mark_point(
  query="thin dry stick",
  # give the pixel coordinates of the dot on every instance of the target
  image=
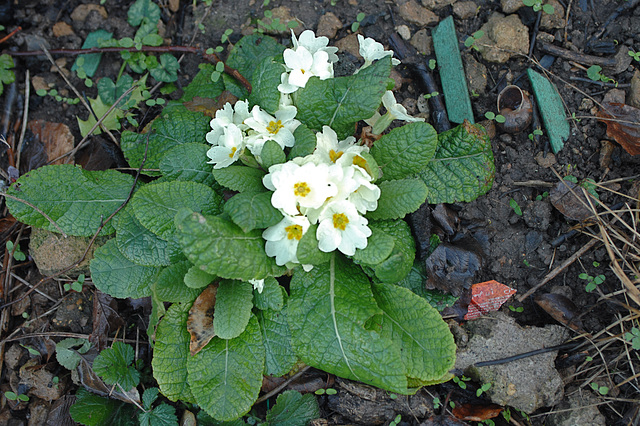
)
(4, 194)
(25, 117)
(283, 385)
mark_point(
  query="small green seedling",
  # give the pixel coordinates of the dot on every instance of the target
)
(542, 196)
(436, 403)
(225, 35)
(490, 115)
(461, 381)
(514, 309)
(432, 64)
(593, 72)
(32, 351)
(12, 396)
(589, 359)
(602, 390)
(396, 421)
(633, 337)
(592, 282)
(356, 25)
(536, 132)
(485, 387)
(76, 285)
(537, 6)
(17, 254)
(471, 40)
(516, 208)
(488, 422)
(634, 55)
(431, 95)
(328, 391)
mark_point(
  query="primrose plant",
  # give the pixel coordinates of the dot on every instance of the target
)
(269, 216)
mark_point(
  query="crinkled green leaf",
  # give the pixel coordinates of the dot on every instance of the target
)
(137, 243)
(94, 410)
(91, 61)
(197, 278)
(162, 415)
(188, 162)
(399, 198)
(276, 336)
(143, 11)
(6, 75)
(167, 69)
(272, 296)
(462, 168)
(204, 419)
(415, 281)
(171, 352)
(234, 87)
(221, 248)
(155, 205)
(250, 51)
(428, 349)
(77, 200)
(226, 376)
(379, 247)
(114, 274)
(67, 356)
(399, 263)
(305, 142)
(271, 154)
(114, 366)
(240, 178)
(100, 109)
(252, 210)
(406, 150)
(202, 86)
(308, 252)
(176, 126)
(170, 287)
(234, 301)
(293, 409)
(264, 83)
(149, 396)
(327, 312)
(343, 101)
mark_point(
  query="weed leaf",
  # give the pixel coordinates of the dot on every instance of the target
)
(293, 408)
(252, 210)
(398, 198)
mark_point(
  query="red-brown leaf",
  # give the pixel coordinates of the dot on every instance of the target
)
(200, 320)
(626, 129)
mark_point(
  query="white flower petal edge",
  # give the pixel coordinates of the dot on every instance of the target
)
(283, 238)
(257, 285)
(398, 111)
(228, 149)
(314, 44)
(266, 127)
(342, 228)
(371, 50)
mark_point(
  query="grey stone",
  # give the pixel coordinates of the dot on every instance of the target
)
(504, 37)
(526, 384)
(465, 9)
(634, 96)
(577, 409)
(510, 6)
(476, 75)
(554, 20)
(414, 13)
(422, 41)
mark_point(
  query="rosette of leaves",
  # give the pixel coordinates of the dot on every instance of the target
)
(350, 316)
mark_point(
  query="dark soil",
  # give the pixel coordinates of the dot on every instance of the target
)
(519, 250)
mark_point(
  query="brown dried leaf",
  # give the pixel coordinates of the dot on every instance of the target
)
(475, 412)
(562, 309)
(56, 137)
(625, 131)
(452, 267)
(200, 320)
(209, 106)
(570, 200)
(105, 319)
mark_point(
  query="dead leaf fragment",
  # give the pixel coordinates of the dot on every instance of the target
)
(623, 125)
(476, 412)
(452, 267)
(56, 137)
(486, 297)
(209, 106)
(562, 309)
(200, 320)
(61, 29)
(570, 199)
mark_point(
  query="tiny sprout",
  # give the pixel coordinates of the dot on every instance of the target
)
(634, 55)
(516, 208)
(602, 390)
(432, 64)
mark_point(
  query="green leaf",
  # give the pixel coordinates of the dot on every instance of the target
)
(343, 101)
(155, 205)
(202, 86)
(149, 396)
(171, 352)
(276, 336)
(399, 198)
(240, 178)
(221, 248)
(252, 210)
(67, 356)
(462, 168)
(143, 11)
(305, 142)
(94, 410)
(6, 76)
(77, 200)
(234, 86)
(91, 61)
(379, 247)
(428, 349)
(272, 296)
(308, 252)
(175, 127)
(264, 81)
(110, 92)
(137, 243)
(152, 40)
(594, 72)
(252, 50)
(400, 261)
(226, 376)
(114, 274)
(188, 162)
(114, 366)
(100, 109)
(162, 415)
(234, 301)
(271, 154)
(170, 287)
(167, 69)
(293, 409)
(406, 150)
(197, 278)
(327, 312)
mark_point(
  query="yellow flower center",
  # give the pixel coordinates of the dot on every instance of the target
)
(301, 189)
(340, 221)
(294, 231)
(335, 155)
(359, 161)
(233, 152)
(274, 127)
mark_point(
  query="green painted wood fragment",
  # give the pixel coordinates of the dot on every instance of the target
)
(452, 76)
(551, 109)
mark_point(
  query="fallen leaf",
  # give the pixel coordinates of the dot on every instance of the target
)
(105, 319)
(570, 199)
(446, 218)
(420, 222)
(562, 309)
(209, 106)
(200, 320)
(626, 129)
(85, 375)
(56, 137)
(486, 297)
(476, 412)
(452, 267)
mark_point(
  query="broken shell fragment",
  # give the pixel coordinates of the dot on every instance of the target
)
(514, 105)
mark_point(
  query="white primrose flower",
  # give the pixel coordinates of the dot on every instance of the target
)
(314, 44)
(257, 285)
(279, 128)
(342, 228)
(228, 115)
(228, 148)
(301, 66)
(365, 197)
(295, 186)
(331, 151)
(395, 111)
(283, 238)
(371, 50)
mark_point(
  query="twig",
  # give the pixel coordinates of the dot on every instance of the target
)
(25, 118)
(534, 34)
(599, 83)
(577, 57)
(283, 385)
(527, 354)
(11, 34)
(4, 194)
